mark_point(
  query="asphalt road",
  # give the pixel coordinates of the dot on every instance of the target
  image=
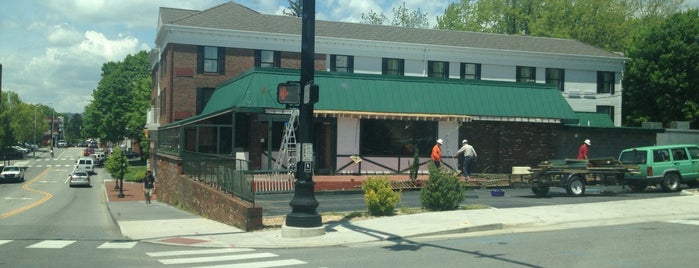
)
(278, 204)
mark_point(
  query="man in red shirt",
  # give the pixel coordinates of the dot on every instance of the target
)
(437, 153)
(583, 151)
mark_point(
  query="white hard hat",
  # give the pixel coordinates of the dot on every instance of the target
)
(464, 141)
(440, 141)
(587, 142)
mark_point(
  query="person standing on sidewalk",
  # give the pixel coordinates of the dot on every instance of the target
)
(437, 153)
(469, 157)
(148, 186)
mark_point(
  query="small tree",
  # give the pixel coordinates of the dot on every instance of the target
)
(380, 199)
(116, 164)
(442, 192)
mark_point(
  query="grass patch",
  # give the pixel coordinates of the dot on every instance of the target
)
(135, 173)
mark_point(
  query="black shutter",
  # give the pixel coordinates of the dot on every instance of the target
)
(350, 64)
(384, 66)
(277, 59)
(478, 72)
(333, 63)
(612, 82)
(221, 60)
(200, 59)
(446, 70)
(258, 58)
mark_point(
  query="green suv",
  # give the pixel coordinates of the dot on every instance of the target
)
(667, 165)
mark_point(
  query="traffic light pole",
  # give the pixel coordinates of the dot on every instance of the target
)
(304, 203)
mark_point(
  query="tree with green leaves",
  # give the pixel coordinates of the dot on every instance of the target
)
(120, 101)
(402, 16)
(73, 127)
(19, 120)
(116, 164)
(603, 23)
(295, 8)
(661, 80)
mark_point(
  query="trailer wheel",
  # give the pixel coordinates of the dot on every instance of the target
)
(671, 182)
(576, 186)
(540, 189)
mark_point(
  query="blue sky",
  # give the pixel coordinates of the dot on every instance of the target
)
(52, 50)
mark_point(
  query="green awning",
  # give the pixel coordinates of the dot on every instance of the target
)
(397, 97)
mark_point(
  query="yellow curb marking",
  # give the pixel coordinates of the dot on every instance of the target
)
(46, 197)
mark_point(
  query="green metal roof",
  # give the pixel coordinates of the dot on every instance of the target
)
(589, 119)
(255, 91)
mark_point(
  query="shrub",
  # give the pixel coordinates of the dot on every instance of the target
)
(442, 192)
(380, 199)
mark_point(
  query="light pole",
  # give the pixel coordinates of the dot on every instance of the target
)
(34, 132)
(122, 172)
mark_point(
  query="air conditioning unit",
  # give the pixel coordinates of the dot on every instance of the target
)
(679, 124)
(652, 125)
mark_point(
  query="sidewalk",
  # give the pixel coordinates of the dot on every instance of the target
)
(161, 223)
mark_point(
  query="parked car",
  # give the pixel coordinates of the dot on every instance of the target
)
(23, 150)
(667, 165)
(62, 143)
(12, 173)
(79, 178)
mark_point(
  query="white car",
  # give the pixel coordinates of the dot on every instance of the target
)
(12, 173)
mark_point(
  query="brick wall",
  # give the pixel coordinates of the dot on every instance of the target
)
(180, 80)
(501, 145)
(179, 191)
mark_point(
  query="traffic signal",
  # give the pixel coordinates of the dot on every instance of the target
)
(289, 93)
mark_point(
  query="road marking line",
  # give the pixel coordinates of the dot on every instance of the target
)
(197, 252)
(5, 241)
(260, 264)
(689, 222)
(112, 245)
(52, 244)
(217, 258)
(46, 197)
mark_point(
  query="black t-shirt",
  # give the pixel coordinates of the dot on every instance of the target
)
(149, 182)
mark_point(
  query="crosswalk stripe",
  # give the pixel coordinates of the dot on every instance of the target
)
(217, 258)
(52, 244)
(112, 245)
(197, 252)
(5, 241)
(261, 264)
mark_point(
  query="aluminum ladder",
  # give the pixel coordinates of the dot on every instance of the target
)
(287, 150)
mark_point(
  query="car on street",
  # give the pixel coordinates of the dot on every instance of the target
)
(12, 173)
(86, 164)
(99, 157)
(62, 143)
(79, 178)
(667, 165)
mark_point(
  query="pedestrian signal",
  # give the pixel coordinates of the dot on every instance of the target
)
(289, 93)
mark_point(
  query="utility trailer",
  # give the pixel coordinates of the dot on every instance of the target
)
(574, 174)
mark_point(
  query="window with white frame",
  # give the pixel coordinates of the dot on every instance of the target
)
(392, 66)
(606, 109)
(438, 69)
(342, 63)
(210, 59)
(555, 77)
(471, 71)
(605, 82)
(268, 58)
(526, 74)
